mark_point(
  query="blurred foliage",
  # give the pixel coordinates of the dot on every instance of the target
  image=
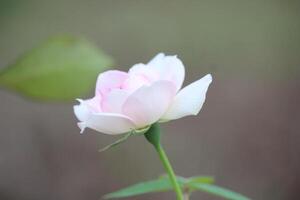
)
(62, 68)
(202, 183)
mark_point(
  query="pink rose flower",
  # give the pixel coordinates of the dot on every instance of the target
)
(147, 93)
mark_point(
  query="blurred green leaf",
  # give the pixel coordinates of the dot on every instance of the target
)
(160, 185)
(163, 184)
(201, 179)
(216, 190)
(61, 68)
(142, 188)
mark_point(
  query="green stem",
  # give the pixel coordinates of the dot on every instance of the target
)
(163, 157)
(153, 136)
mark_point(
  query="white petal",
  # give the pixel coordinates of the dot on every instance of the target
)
(108, 123)
(156, 60)
(189, 100)
(144, 71)
(86, 107)
(81, 112)
(147, 104)
(169, 68)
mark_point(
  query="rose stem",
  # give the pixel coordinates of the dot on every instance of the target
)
(153, 136)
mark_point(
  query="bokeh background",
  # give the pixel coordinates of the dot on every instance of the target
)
(246, 136)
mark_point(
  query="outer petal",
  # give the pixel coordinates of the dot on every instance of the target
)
(82, 112)
(110, 80)
(147, 104)
(169, 68)
(87, 107)
(108, 123)
(189, 100)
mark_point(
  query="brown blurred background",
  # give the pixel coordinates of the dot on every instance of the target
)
(246, 136)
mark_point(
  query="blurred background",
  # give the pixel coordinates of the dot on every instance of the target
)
(246, 136)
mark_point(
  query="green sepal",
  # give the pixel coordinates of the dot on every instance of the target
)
(141, 131)
(153, 135)
(117, 142)
(125, 137)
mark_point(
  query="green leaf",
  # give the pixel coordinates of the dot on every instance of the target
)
(216, 190)
(160, 185)
(142, 188)
(201, 179)
(61, 68)
(163, 184)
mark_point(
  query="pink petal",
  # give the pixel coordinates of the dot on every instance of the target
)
(114, 100)
(110, 80)
(144, 71)
(134, 82)
(147, 104)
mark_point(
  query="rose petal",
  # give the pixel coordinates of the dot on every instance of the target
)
(114, 100)
(108, 123)
(82, 112)
(144, 71)
(157, 59)
(147, 104)
(86, 107)
(134, 82)
(189, 100)
(169, 68)
(110, 80)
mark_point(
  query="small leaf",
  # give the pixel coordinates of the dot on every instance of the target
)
(142, 188)
(61, 68)
(117, 142)
(218, 191)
